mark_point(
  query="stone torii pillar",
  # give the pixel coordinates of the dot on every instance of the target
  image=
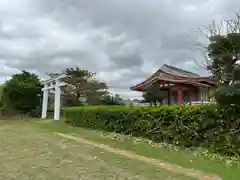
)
(52, 84)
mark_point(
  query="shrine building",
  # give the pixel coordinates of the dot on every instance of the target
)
(182, 87)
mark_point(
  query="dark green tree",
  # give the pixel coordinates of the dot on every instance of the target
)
(154, 95)
(223, 54)
(224, 51)
(1, 95)
(23, 91)
(82, 83)
(112, 100)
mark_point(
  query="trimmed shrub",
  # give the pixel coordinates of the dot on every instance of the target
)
(182, 125)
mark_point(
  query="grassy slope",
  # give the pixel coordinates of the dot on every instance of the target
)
(181, 158)
(26, 152)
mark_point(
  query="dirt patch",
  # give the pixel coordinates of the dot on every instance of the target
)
(164, 165)
(26, 153)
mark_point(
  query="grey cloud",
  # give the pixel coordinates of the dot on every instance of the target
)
(123, 41)
(127, 78)
(57, 61)
(125, 54)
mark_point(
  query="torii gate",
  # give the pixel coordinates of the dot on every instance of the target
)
(55, 84)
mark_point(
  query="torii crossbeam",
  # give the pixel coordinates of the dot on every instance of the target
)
(54, 83)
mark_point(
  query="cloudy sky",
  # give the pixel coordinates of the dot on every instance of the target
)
(123, 41)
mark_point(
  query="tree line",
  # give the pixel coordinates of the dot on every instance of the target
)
(22, 93)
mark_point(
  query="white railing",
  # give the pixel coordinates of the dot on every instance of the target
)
(201, 102)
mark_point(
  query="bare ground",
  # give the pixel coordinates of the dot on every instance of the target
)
(164, 165)
(29, 154)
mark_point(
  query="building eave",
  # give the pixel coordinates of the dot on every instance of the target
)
(194, 83)
(162, 75)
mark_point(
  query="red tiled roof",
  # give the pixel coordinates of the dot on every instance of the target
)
(169, 74)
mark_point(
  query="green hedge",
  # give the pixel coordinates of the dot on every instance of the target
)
(186, 126)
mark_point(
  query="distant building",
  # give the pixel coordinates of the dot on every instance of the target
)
(181, 86)
(126, 101)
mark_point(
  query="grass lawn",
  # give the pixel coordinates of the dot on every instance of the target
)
(26, 152)
(43, 155)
